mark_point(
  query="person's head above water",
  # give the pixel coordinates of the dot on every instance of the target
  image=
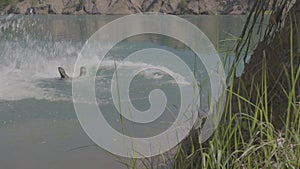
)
(63, 73)
(82, 71)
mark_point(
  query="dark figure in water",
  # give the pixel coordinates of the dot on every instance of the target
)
(82, 71)
(64, 75)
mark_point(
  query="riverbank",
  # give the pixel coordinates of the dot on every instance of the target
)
(248, 135)
(124, 7)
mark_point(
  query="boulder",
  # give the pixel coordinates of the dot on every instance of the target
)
(166, 7)
(30, 11)
(42, 9)
(173, 4)
(238, 10)
(17, 11)
(80, 12)
(57, 6)
(8, 10)
(71, 6)
(163, 6)
(102, 5)
(22, 7)
(52, 10)
(233, 7)
(151, 6)
(90, 7)
(138, 3)
(194, 7)
(122, 7)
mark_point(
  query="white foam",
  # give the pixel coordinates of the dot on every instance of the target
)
(152, 71)
(26, 62)
(23, 82)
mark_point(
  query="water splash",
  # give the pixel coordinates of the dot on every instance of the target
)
(26, 59)
(31, 53)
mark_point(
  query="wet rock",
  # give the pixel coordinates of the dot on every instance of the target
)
(80, 12)
(56, 5)
(234, 7)
(17, 11)
(39, 9)
(238, 10)
(42, 9)
(102, 5)
(151, 6)
(71, 6)
(52, 10)
(90, 7)
(30, 11)
(163, 6)
(173, 4)
(122, 7)
(22, 7)
(69, 10)
(169, 7)
(95, 10)
(190, 8)
(193, 7)
(8, 10)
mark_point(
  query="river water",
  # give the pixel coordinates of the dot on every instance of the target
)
(38, 123)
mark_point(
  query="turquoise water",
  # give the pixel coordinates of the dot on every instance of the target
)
(38, 124)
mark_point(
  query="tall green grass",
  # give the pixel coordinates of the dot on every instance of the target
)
(244, 139)
(247, 138)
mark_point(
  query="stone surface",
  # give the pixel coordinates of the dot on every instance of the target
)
(43, 9)
(71, 6)
(22, 7)
(123, 7)
(88, 6)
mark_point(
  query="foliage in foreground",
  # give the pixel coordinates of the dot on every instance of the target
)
(249, 139)
(247, 136)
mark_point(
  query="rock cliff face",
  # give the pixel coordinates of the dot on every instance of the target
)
(116, 7)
